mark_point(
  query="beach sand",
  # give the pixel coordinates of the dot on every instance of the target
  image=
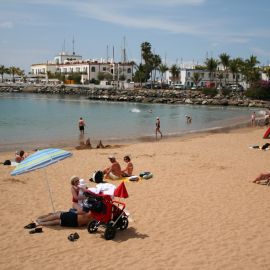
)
(199, 211)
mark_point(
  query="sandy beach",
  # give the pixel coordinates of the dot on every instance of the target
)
(199, 211)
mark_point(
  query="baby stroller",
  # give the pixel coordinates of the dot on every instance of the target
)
(106, 212)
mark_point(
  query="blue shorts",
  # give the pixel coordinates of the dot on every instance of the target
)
(69, 219)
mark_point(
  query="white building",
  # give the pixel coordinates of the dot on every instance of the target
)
(186, 78)
(67, 64)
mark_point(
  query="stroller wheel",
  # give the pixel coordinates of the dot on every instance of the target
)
(110, 232)
(92, 226)
(123, 223)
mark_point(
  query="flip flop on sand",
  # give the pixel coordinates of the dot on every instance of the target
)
(74, 236)
(31, 225)
(36, 230)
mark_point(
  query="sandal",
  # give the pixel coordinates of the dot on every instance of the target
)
(74, 236)
(31, 225)
(36, 230)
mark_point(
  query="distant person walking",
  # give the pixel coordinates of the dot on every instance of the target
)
(188, 119)
(81, 125)
(253, 119)
(158, 128)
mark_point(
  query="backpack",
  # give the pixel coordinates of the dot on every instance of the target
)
(7, 162)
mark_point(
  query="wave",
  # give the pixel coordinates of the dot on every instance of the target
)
(135, 110)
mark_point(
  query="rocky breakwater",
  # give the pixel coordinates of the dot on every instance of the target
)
(193, 97)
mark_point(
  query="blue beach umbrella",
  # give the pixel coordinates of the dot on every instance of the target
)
(40, 159)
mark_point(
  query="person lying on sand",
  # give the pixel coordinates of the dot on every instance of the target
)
(20, 156)
(262, 177)
(64, 219)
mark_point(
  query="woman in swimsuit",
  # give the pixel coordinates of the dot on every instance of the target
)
(129, 168)
(74, 181)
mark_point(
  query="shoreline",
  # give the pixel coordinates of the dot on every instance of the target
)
(120, 143)
(112, 143)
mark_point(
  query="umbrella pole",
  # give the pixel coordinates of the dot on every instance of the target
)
(49, 190)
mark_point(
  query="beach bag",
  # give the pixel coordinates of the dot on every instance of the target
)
(93, 204)
(97, 177)
(7, 162)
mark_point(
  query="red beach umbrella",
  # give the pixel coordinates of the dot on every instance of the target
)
(121, 191)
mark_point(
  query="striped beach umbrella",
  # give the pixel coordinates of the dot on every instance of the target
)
(40, 159)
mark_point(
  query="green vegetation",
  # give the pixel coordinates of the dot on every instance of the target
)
(259, 90)
(209, 91)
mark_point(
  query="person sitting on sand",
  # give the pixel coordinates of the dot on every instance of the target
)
(114, 171)
(20, 156)
(262, 177)
(64, 219)
(129, 168)
(75, 189)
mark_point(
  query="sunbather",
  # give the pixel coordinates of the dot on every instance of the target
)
(65, 219)
(114, 171)
(129, 168)
(262, 177)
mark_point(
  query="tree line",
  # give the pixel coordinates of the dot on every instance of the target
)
(248, 68)
(152, 63)
(11, 71)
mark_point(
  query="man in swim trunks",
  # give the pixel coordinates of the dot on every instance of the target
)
(114, 171)
(65, 219)
(81, 125)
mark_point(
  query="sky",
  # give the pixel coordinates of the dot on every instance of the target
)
(180, 31)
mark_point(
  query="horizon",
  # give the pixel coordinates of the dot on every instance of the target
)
(180, 31)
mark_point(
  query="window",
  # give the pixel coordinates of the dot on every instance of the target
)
(104, 68)
(93, 69)
(129, 70)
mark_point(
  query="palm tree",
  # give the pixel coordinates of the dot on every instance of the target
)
(162, 69)
(225, 61)
(156, 61)
(14, 71)
(196, 78)
(146, 52)
(141, 75)
(3, 70)
(251, 71)
(175, 71)
(235, 66)
(211, 65)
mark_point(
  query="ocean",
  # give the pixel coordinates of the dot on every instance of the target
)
(30, 121)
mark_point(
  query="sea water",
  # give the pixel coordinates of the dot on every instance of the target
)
(39, 120)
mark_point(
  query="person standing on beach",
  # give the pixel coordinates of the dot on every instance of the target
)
(253, 119)
(81, 125)
(158, 128)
